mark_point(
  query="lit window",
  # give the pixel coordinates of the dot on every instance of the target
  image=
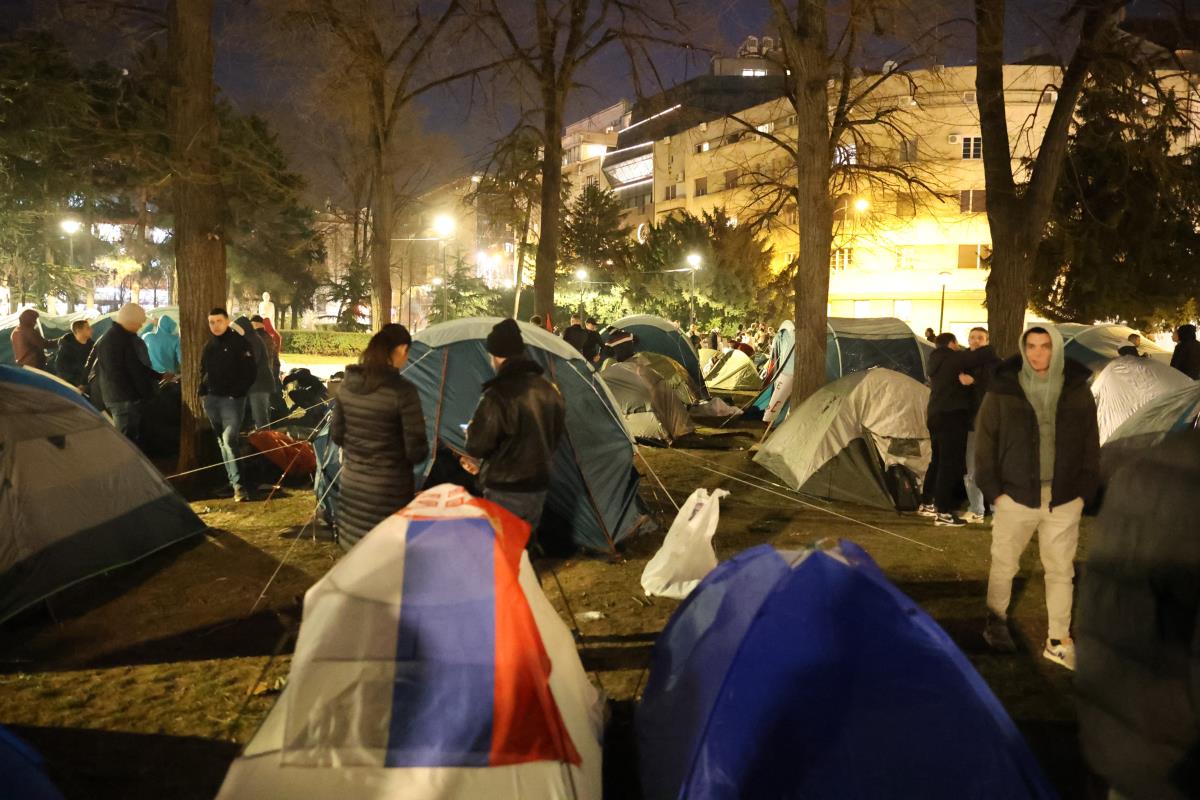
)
(754, 73)
(841, 258)
(906, 258)
(845, 155)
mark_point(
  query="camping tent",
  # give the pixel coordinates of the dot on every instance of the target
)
(853, 345)
(783, 350)
(841, 440)
(657, 335)
(593, 490)
(1127, 384)
(54, 326)
(430, 665)
(24, 770)
(671, 371)
(1095, 345)
(76, 497)
(647, 402)
(734, 371)
(809, 675)
(1150, 424)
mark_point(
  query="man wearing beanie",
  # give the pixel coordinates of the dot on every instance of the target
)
(123, 377)
(515, 429)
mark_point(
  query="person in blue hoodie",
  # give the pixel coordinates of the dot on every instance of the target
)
(163, 345)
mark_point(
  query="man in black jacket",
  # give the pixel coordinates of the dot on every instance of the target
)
(594, 344)
(258, 399)
(1186, 357)
(227, 371)
(74, 348)
(977, 379)
(1037, 461)
(515, 429)
(124, 380)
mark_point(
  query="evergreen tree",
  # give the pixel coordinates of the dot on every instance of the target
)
(593, 237)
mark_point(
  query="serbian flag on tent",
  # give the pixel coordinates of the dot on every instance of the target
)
(430, 664)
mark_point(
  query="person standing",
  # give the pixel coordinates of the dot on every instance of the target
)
(259, 396)
(515, 429)
(227, 371)
(28, 345)
(1186, 357)
(377, 421)
(977, 379)
(594, 344)
(162, 344)
(949, 420)
(261, 327)
(124, 378)
(1037, 461)
(575, 335)
(74, 348)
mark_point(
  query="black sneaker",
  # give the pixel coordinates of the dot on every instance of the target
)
(948, 520)
(998, 636)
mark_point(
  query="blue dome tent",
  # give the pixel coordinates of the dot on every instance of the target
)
(657, 335)
(593, 491)
(76, 497)
(24, 770)
(807, 674)
(1169, 413)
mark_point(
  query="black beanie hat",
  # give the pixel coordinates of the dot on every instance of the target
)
(505, 339)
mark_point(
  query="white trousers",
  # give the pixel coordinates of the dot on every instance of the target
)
(1058, 539)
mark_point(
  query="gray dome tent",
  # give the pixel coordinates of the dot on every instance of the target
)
(647, 402)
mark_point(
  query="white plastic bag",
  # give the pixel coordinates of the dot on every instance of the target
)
(687, 554)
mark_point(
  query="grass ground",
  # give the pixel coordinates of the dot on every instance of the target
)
(139, 683)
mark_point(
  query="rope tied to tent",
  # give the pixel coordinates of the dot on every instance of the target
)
(807, 504)
(654, 474)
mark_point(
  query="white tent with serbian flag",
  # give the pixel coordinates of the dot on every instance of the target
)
(430, 665)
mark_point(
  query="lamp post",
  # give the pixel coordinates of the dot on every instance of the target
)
(693, 261)
(71, 227)
(443, 226)
(581, 276)
(944, 277)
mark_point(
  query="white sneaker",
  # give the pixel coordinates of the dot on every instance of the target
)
(948, 520)
(973, 518)
(927, 511)
(1060, 652)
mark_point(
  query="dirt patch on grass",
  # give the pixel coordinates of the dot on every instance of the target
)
(138, 685)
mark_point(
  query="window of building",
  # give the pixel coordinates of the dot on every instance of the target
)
(670, 192)
(701, 187)
(747, 72)
(902, 310)
(841, 258)
(841, 208)
(591, 180)
(972, 201)
(906, 205)
(973, 256)
(906, 257)
(845, 155)
(791, 215)
(862, 309)
(972, 147)
(766, 127)
(702, 147)
(731, 178)
(908, 151)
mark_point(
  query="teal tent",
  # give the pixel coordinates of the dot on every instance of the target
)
(76, 497)
(1169, 413)
(1096, 345)
(657, 335)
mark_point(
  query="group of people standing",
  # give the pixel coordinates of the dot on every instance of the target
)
(378, 423)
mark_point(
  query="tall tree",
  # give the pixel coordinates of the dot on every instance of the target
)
(1017, 214)
(198, 203)
(546, 43)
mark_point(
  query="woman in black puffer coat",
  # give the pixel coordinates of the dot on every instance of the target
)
(377, 421)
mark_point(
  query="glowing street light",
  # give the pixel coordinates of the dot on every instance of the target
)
(693, 261)
(71, 227)
(436, 281)
(443, 226)
(581, 276)
(861, 205)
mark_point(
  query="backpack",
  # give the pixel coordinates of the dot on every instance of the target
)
(902, 486)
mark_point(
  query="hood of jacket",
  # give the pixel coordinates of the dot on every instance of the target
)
(514, 368)
(167, 326)
(29, 318)
(243, 326)
(1043, 391)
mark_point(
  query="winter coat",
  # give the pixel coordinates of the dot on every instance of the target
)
(227, 366)
(1007, 439)
(1137, 625)
(516, 428)
(947, 395)
(28, 344)
(984, 362)
(264, 377)
(121, 368)
(163, 346)
(576, 336)
(1186, 357)
(379, 425)
(272, 354)
(70, 363)
(593, 345)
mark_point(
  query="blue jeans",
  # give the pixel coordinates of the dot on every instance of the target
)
(260, 408)
(526, 505)
(127, 417)
(225, 414)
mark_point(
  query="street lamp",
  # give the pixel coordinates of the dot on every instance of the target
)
(693, 261)
(944, 278)
(71, 227)
(861, 205)
(443, 226)
(581, 276)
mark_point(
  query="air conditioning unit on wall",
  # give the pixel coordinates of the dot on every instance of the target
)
(952, 138)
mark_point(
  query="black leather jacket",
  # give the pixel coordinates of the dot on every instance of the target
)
(516, 428)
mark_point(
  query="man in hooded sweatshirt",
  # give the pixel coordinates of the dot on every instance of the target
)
(1037, 461)
(28, 345)
(259, 397)
(1186, 357)
(515, 428)
(162, 344)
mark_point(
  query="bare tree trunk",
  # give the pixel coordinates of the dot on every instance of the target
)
(199, 246)
(381, 256)
(546, 266)
(521, 249)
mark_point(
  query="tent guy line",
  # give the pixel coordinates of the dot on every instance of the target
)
(656, 478)
(813, 505)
